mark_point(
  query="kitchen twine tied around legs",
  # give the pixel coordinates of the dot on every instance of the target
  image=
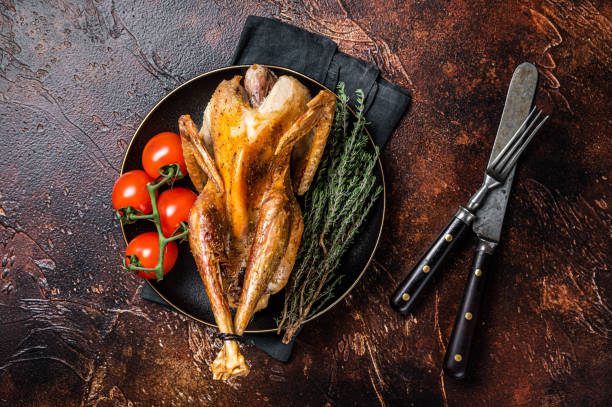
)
(230, 337)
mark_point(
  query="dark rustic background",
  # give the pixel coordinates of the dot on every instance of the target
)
(77, 77)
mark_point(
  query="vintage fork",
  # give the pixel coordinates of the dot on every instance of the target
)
(496, 174)
(499, 169)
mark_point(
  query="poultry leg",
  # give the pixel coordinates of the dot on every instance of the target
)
(275, 216)
(207, 231)
(281, 276)
(206, 224)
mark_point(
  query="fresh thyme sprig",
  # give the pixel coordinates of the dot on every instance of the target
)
(334, 208)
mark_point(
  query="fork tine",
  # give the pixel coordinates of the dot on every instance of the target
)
(511, 142)
(516, 144)
(512, 162)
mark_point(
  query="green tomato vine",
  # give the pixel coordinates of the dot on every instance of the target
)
(127, 215)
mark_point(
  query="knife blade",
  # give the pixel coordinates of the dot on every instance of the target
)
(488, 223)
(490, 217)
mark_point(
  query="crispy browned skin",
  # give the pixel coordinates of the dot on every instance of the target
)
(207, 224)
(275, 217)
(246, 219)
(207, 232)
(309, 150)
(198, 177)
(206, 164)
(244, 142)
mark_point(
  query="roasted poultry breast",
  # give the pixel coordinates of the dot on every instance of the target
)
(259, 145)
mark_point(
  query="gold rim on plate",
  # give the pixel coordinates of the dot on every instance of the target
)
(382, 174)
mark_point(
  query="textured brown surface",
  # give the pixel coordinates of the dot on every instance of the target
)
(76, 78)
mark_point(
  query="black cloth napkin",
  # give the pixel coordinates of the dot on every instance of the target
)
(271, 42)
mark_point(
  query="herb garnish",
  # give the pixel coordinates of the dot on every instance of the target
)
(334, 208)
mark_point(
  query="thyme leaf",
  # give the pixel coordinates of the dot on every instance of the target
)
(335, 207)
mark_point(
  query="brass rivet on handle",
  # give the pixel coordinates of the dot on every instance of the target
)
(468, 315)
(405, 296)
(478, 272)
(426, 269)
(448, 237)
(458, 357)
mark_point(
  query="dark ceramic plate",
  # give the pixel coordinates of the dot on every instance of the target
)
(182, 287)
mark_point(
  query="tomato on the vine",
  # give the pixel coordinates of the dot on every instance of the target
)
(131, 190)
(174, 205)
(146, 247)
(163, 149)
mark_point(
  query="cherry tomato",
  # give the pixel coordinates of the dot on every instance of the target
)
(131, 190)
(146, 247)
(163, 149)
(174, 206)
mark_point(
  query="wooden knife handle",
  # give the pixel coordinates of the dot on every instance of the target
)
(456, 360)
(406, 293)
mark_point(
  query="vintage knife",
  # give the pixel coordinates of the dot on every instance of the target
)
(520, 97)
(488, 223)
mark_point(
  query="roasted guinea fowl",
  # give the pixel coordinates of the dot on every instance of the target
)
(257, 146)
